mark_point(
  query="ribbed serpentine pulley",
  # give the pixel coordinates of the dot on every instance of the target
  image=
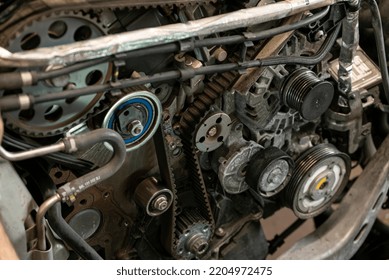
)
(306, 93)
(320, 176)
(269, 171)
(135, 117)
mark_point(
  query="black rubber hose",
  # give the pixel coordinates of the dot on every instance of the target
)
(68, 235)
(380, 43)
(14, 80)
(309, 60)
(85, 141)
(227, 40)
(181, 74)
(54, 215)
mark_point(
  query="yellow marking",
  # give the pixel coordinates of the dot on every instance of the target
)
(321, 182)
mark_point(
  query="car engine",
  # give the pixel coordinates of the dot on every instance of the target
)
(150, 129)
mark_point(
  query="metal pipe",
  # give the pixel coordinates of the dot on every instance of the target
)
(350, 41)
(15, 80)
(40, 220)
(12, 101)
(54, 215)
(132, 40)
(58, 147)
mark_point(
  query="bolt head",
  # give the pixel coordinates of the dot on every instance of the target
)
(135, 127)
(212, 131)
(160, 203)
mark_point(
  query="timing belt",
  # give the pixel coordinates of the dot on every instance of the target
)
(204, 101)
(180, 219)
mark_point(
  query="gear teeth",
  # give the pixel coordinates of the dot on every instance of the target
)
(191, 118)
(15, 32)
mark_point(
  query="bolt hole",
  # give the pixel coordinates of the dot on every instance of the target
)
(58, 174)
(243, 170)
(106, 195)
(220, 139)
(360, 233)
(53, 113)
(82, 33)
(57, 29)
(219, 120)
(158, 91)
(93, 77)
(26, 115)
(30, 41)
(202, 139)
(83, 202)
(377, 202)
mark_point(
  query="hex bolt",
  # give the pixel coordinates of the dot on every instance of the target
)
(220, 232)
(319, 34)
(212, 131)
(160, 203)
(135, 127)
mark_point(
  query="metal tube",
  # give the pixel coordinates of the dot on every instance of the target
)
(350, 41)
(58, 147)
(184, 74)
(40, 220)
(132, 40)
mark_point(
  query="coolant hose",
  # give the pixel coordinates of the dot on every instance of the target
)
(87, 140)
(68, 192)
(54, 215)
(68, 235)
